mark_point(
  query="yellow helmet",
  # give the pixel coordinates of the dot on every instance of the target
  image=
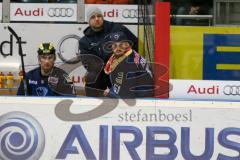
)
(46, 48)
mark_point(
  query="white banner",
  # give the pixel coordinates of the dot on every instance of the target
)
(0, 11)
(68, 12)
(118, 13)
(43, 12)
(150, 129)
(64, 37)
(205, 89)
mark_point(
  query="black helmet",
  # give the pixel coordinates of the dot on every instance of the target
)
(46, 48)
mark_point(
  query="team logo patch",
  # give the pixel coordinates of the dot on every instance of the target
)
(116, 88)
(116, 36)
(42, 91)
(53, 80)
(32, 82)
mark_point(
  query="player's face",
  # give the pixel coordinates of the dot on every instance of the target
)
(46, 62)
(96, 22)
(119, 48)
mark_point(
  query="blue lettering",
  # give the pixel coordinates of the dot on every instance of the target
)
(76, 133)
(131, 146)
(67, 148)
(152, 143)
(185, 144)
(222, 139)
(103, 139)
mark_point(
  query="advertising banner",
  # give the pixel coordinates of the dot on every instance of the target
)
(205, 89)
(64, 37)
(209, 53)
(111, 129)
(68, 12)
(117, 13)
(43, 12)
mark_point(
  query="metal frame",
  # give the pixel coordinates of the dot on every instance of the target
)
(80, 11)
(209, 17)
(6, 11)
(217, 11)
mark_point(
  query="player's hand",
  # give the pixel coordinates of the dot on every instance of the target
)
(106, 92)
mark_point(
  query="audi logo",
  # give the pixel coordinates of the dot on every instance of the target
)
(60, 12)
(69, 39)
(130, 13)
(231, 90)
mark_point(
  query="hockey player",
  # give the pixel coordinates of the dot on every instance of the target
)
(46, 80)
(129, 72)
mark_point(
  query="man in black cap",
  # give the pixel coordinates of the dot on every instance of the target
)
(129, 72)
(93, 52)
(46, 80)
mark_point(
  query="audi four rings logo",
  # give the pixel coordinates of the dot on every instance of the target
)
(232, 90)
(130, 13)
(60, 12)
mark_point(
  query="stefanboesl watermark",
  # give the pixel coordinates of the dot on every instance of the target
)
(94, 66)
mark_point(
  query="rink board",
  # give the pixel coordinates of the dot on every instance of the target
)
(116, 129)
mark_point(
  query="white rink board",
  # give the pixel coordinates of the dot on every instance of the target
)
(132, 124)
(205, 89)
